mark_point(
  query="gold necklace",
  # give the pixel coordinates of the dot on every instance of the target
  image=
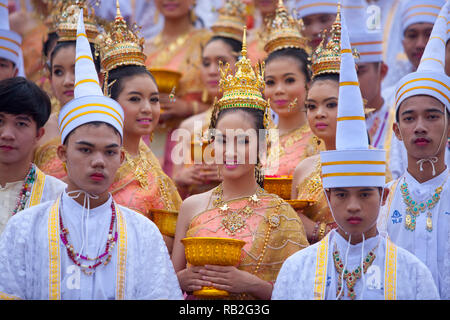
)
(140, 166)
(234, 221)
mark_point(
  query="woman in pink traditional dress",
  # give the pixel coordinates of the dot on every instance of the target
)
(239, 208)
(178, 48)
(286, 88)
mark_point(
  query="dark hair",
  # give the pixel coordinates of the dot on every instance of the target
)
(95, 124)
(236, 46)
(65, 44)
(298, 54)
(119, 76)
(326, 76)
(49, 44)
(21, 96)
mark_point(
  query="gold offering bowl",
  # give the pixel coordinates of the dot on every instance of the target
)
(214, 251)
(165, 79)
(165, 220)
(198, 150)
(280, 186)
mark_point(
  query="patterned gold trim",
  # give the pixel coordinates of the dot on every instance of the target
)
(121, 255)
(390, 273)
(5, 296)
(54, 277)
(321, 269)
(38, 188)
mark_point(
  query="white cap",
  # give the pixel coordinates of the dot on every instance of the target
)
(10, 41)
(420, 11)
(308, 7)
(89, 103)
(430, 78)
(352, 164)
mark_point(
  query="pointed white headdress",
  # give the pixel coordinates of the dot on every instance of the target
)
(10, 41)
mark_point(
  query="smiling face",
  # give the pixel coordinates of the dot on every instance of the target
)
(284, 84)
(422, 127)
(321, 108)
(236, 145)
(139, 99)
(213, 53)
(356, 209)
(62, 77)
(92, 153)
(18, 137)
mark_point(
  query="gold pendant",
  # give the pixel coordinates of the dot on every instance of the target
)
(233, 223)
(408, 221)
(429, 222)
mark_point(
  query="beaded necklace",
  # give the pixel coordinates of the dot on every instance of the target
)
(351, 277)
(235, 220)
(104, 258)
(414, 208)
(26, 190)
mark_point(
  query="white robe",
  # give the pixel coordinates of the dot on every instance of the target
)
(45, 188)
(27, 268)
(299, 278)
(432, 248)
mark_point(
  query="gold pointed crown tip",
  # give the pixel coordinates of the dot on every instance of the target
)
(118, 13)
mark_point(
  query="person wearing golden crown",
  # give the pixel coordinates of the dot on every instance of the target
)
(84, 245)
(61, 66)
(417, 213)
(192, 176)
(321, 112)
(140, 184)
(286, 89)
(354, 261)
(239, 208)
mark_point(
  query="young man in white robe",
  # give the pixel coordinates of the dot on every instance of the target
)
(24, 110)
(353, 261)
(417, 213)
(84, 245)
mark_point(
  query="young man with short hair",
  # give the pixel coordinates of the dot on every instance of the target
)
(354, 261)
(417, 213)
(84, 245)
(24, 110)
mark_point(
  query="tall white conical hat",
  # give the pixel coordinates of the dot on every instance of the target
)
(89, 103)
(10, 41)
(352, 164)
(430, 78)
(420, 11)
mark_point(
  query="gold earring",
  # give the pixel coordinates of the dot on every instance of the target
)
(204, 95)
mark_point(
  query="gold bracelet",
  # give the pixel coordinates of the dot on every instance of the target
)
(322, 228)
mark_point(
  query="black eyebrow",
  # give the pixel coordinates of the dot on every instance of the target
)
(434, 110)
(85, 143)
(112, 145)
(330, 98)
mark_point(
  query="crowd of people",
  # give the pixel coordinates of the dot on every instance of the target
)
(115, 115)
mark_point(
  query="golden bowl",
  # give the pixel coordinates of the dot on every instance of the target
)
(214, 251)
(165, 220)
(280, 186)
(165, 79)
(198, 150)
(300, 204)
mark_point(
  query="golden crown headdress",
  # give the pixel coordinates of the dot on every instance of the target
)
(120, 45)
(66, 27)
(231, 20)
(327, 56)
(284, 31)
(48, 12)
(244, 89)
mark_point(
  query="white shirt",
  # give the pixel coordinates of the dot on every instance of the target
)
(296, 280)
(25, 258)
(9, 195)
(432, 248)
